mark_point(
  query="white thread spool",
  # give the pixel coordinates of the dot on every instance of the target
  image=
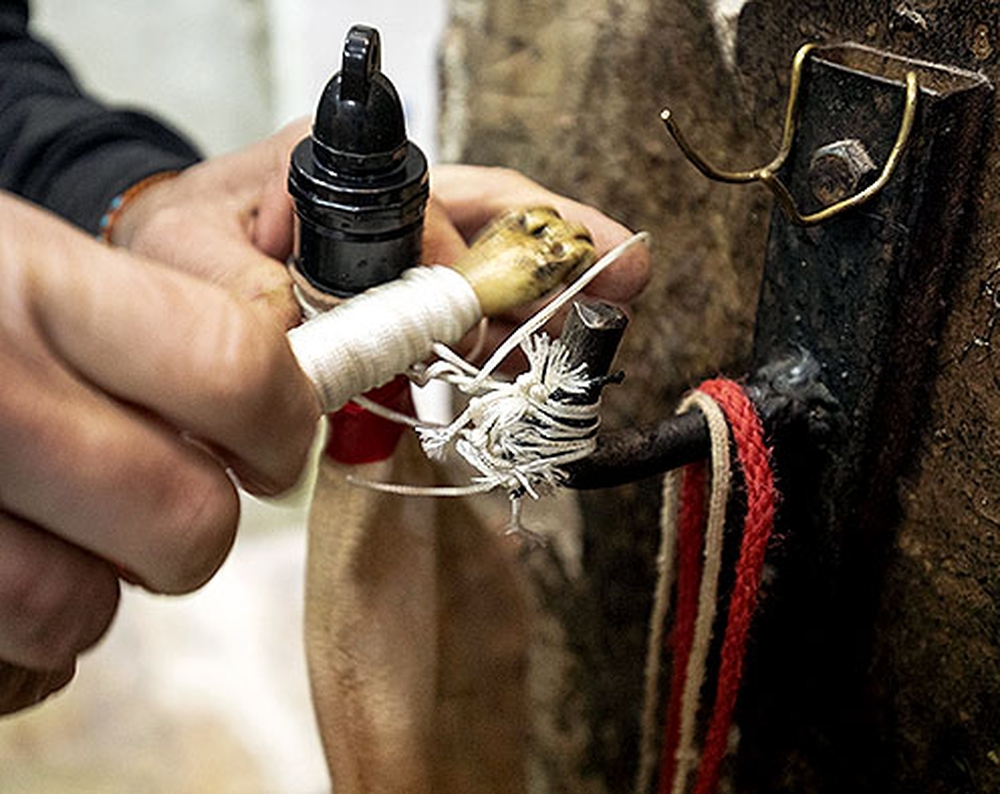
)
(366, 341)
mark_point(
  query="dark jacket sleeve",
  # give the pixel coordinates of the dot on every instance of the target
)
(62, 149)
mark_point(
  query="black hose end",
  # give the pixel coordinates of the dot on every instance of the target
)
(360, 186)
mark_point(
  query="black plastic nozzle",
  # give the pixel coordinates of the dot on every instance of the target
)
(360, 187)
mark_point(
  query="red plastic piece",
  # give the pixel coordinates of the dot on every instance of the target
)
(359, 436)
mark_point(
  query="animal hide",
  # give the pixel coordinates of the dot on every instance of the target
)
(417, 635)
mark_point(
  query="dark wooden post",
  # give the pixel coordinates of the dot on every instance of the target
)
(573, 99)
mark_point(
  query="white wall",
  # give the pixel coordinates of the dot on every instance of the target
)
(203, 64)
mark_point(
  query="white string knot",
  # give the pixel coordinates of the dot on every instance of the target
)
(519, 434)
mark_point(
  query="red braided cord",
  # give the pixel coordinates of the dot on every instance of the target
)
(690, 533)
(755, 460)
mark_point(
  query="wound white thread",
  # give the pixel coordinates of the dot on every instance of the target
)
(366, 341)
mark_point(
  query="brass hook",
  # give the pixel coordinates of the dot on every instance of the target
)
(767, 175)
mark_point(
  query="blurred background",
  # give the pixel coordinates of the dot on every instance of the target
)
(208, 693)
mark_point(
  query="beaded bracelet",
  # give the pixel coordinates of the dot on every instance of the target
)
(120, 202)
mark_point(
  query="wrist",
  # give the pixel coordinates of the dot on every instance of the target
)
(119, 219)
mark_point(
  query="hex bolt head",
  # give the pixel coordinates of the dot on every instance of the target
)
(836, 170)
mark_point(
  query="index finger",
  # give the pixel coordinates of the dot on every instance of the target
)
(473, 195)
(184, 349)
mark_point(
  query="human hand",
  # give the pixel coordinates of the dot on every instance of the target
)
(230, 220)
(227, 220)
(128, 390)
(466, 198)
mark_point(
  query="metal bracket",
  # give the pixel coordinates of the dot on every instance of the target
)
(840, 165)
(864, 291)
(856, 278)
